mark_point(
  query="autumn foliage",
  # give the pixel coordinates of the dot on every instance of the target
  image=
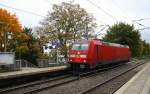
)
(9, 28)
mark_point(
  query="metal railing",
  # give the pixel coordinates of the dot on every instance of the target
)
(23, 63)
(50, 63)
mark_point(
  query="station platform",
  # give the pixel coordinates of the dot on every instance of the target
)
(30, 71)
(139, 84)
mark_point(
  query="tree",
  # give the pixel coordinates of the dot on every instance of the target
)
(146, 48)
(9, 25)
(28, 47)
(66, 23)
(125, 34)
(42, 37)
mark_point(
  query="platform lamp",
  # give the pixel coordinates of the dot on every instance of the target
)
(4, 45)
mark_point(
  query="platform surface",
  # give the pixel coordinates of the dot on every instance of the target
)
(30, 71)
(139, 84)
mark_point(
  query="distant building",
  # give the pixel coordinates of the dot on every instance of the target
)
(47, 48)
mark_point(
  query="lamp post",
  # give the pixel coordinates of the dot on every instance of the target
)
(5, 33)
(4, 45)
(5, 41)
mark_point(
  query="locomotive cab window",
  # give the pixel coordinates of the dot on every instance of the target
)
(80, 47)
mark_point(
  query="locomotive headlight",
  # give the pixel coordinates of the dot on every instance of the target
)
(83, 56)
(72, 55)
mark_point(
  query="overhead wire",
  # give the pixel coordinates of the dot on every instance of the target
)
(108, 14)
(141, 19)
(116, 4)
(21, 10)
(144, 28)
(137, 22)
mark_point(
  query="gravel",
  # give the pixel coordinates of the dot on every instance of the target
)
(79, 86)
(34, 87)
(115, 84)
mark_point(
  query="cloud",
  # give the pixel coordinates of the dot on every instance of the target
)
(122, 10)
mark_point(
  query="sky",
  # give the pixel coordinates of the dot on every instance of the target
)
(106, 12)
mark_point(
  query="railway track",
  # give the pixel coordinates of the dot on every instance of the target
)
(58, 81)
(74, 78)
(35, 87)
(34, 84)
(94, 72)
(89, 90)
(68, 80)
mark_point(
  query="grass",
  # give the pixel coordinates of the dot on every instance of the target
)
(4, 70)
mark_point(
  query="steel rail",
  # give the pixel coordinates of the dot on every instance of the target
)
(100, 84)
(33, 83)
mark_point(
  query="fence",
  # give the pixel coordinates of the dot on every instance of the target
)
(51, 62)
(18, 64)
(55, 59)
(23, 63)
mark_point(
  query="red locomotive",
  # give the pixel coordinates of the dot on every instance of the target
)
(89, 54)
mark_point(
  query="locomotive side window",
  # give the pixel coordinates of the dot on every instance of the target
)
(80, 47)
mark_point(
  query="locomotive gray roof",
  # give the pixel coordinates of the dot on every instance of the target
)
(82, 41)
(106, 43)
(113, 44)
(116, 45)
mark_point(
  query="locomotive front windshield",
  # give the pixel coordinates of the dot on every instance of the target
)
(80, 47)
